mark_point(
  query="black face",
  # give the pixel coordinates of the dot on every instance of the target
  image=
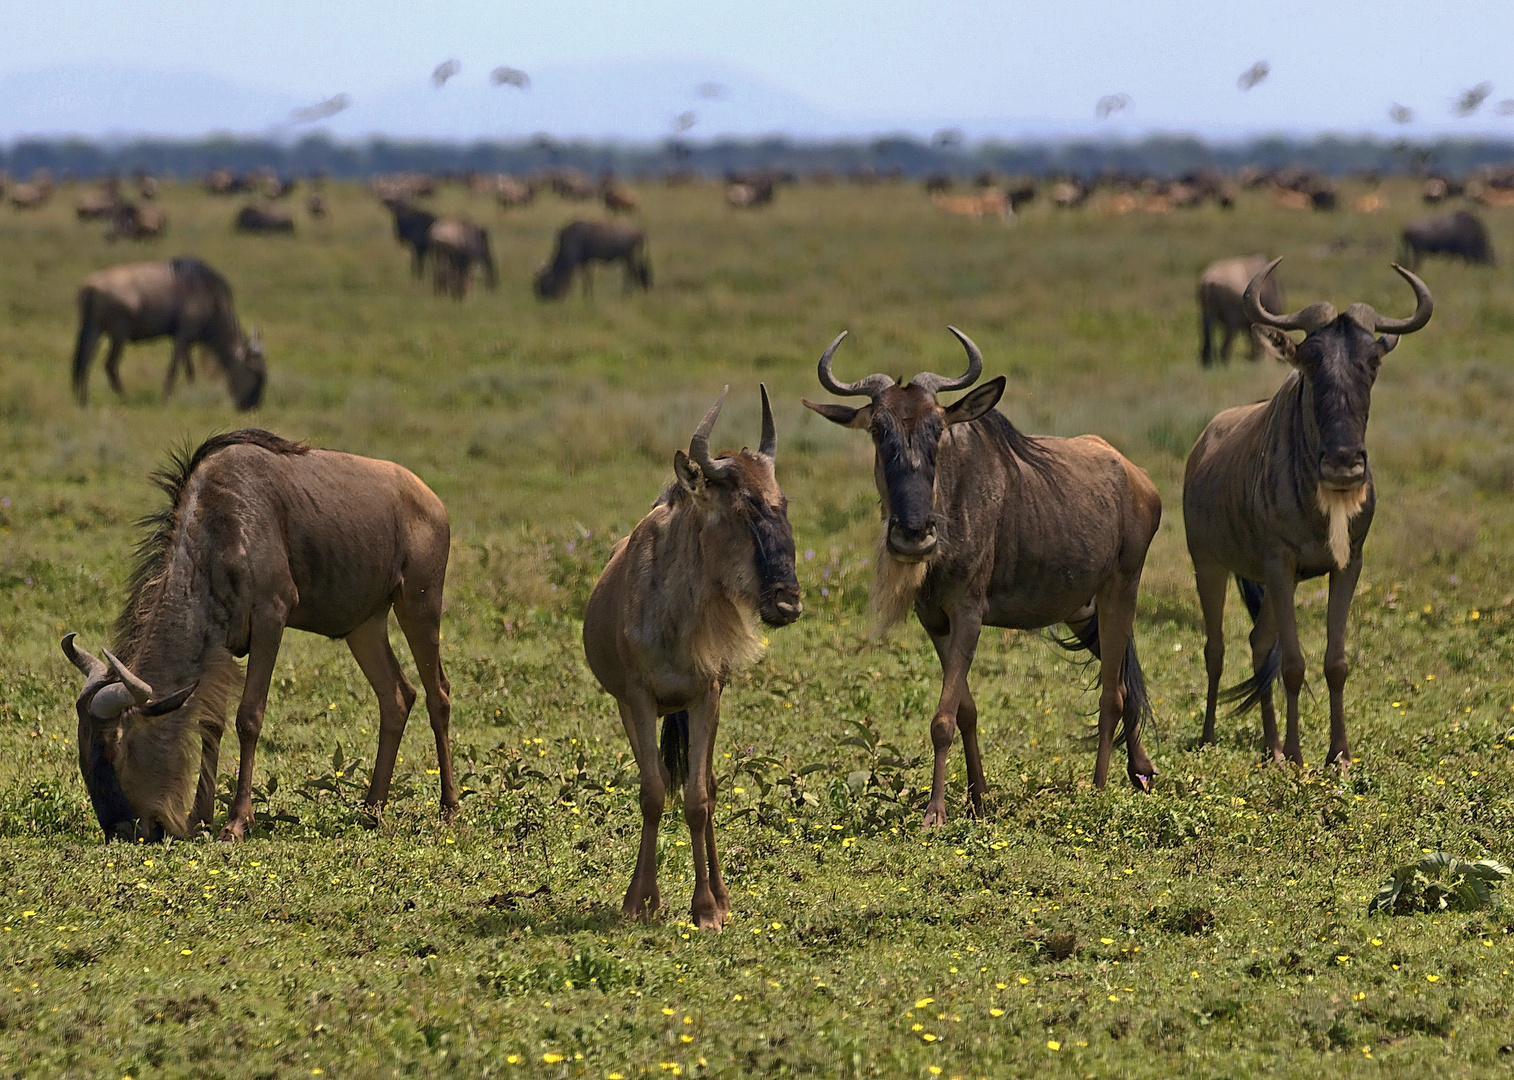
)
(1340, 362)
(115, 815)
(773, 541)
(906, 427)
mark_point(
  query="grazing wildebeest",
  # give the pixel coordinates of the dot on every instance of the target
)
(750, 194)
(1279, 492)
(137, 222)
(99, 204)
(257, 219)
(32, 196)
(182, 298)
(224, 182)
(618, 200)
(453, 247)
(582, 242)
(984, 525)
(1459, 235)
(511, 193)
(412, 227)
(1221, 286)
(260, 534)
(572, 184)
(670, 618)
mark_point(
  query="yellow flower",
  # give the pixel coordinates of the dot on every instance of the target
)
(1002, 986)
(667, 1012)
(1106, 941)
(1052, 1044)
(995, 1013)
(615, 1076)
(316, 1072)
(923, 1002)
(928, 1037)
(186, 952)
(551, 1059)
(1432, 978)
(935, 1070)
(1024, 981)
(686, 1038)
(513, 1059)
(917, 1027)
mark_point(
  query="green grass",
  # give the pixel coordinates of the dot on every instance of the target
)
(1216, 927)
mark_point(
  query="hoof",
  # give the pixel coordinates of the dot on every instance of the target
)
(934, 818)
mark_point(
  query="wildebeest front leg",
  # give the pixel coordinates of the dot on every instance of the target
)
(1211, 579)
(967, 722)
(210, 757)
(956, 662)
(370, 648)
(1342, 589)
(267, 633)
(717, 882)
(178, 358)
(699, 810)
(1281, 585)
(640, 721)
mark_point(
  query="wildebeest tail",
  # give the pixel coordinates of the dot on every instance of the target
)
(675, 747)
(1085, 638)
(1247, 694)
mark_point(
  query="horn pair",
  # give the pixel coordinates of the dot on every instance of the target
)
(699, 445)
(872, 386)
(1321, 314)
(114, 698)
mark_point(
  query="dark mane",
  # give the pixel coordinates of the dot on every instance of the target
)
(193, 271)
(172, 478)
(1022, 447)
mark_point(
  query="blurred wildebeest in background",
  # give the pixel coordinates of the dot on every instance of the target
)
(672, 617)
(511, 193)
(147, 186)
(617, 199)
(136, 222)
(259, 535)
(1069, 194)
(1460, 235)
(582, 242)
(572, 184)
(100, 203)
(224, 182)
(184, 299)
(1221, 288)
(939, 183)
(315, 206)
(33, 195)
(412, 227)
(401, 187)
(1280, 492)
(258, 219)
(986, 526)
(976, 207)
(453, 246)
(749, 195)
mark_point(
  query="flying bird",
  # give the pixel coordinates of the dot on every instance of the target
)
(1254, 75)
(509, 76)
(1400, 114)
(683, 121)
(444, 71)
(711, 90)
(320, 110)
(1471, 100)
(1504, 107)
(1110, 104)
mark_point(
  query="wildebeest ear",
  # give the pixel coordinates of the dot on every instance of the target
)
(1275, 343)
(171, 702)
(689, 475)
(977, 403)
(1386, 344)
(844, 415)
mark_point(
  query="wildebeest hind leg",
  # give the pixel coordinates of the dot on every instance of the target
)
(370, 648)
(699, 808)
(1342, 589)
(640, 721)
(1281, 585)
(717, 882)
(1263, 639)
(967, 722)
(956, 662)
(1212, 579)
(178, 358)
(113, 365)
(210, 757)
(267, 633)
(1116, 620)
(419, 612)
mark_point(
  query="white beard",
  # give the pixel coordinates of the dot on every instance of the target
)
(895, 584)
(1339, 507)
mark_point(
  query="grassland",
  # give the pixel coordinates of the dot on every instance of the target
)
(1216, 927)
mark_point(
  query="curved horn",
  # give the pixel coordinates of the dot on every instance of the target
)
(141, 692)
(112, 701)
(699, 445)
(92, 666)
(1424, 305)
(768, 448)
(1307, 319)
(869, 387)
(929, 380)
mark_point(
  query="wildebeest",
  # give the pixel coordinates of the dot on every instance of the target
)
(99, 204)
(1459, 235)
(32, 196)
(511, 193)
(983, 525)
(670, 618)
(582, 242)
(453, 247)
(1221, 286)
(315, 205)
(137, 222)
(260, 534)
(1279, 492)
(257, 219)
(182, 298)
(750, 194)
(618, 200)
(976, 207)
(224, 182)
(413, 228)
(572, 184)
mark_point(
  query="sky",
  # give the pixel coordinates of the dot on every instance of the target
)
(1000, 67)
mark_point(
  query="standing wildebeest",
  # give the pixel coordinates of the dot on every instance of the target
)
(673, 613)
(1461, 234)
(256, 219)
(619, 200)
(986, 526)
(412, 227)
(182, 298)
(1279, 492)
(582, 242)
(136, 223)
(1221, 287)
(454, 246)
(260, 534)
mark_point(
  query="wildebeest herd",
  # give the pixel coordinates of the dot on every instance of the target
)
(982, 525)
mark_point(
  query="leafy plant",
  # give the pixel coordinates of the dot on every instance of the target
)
(1439, 882)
